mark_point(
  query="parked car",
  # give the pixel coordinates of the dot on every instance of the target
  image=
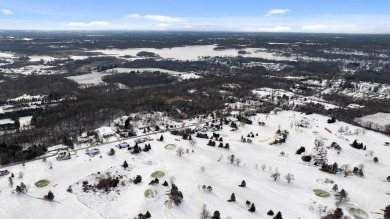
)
(92, 152)
(122, 145)
(4, 172)
(139, 140)
(63, 156)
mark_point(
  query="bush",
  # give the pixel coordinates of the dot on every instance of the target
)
(112, 152)
(300, 150)
(137, 179)
(306, 158)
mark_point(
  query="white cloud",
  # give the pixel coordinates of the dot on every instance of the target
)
(313, 27)
(90, 24)
(161, 18)
(278, 11)
(99, 23)
(133, 16)
(274, 29)
(163, 25)
(5, 12)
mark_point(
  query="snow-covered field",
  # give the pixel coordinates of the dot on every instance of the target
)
(91, 78)
(376, 121)
(294, 200)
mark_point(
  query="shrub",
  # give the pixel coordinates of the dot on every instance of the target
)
(300, 150)
(306, 158)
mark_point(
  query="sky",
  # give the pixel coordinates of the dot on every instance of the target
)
(320, 16)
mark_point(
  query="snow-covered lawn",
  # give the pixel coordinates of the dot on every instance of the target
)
(294, 200)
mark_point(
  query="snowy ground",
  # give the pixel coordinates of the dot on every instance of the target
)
(295, 200)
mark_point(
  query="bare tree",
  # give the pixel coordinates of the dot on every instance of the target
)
(263, 166)
(193, 142)
(20, 175)
(231, 158)
(237, 161)
(289, 177)
(345, 169)
(172, 179)
(220, 158)
(204, 214)
(275, 176)
(202, 168)
(180, 151)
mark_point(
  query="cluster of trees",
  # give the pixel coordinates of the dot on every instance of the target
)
(358, 145)
(16, 153)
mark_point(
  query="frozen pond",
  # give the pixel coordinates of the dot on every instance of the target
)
(195, 52)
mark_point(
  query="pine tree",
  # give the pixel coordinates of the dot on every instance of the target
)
(148, 215)
(243, 184)
(270, 213)
(165, 183)
(387, 212)
(335, 188)
(278, 216)
(161, 138)
(252, 208)
(232, 198)
(216, 215)
(125, 165)
(50, 196)
(338, 213)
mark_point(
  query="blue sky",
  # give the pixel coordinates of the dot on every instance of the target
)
(335, 16)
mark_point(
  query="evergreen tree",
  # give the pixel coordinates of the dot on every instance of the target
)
(50, 196)
(216, 215)
(387, 212)
(243, 184)
(165, 183)
(338, 213)
(232, 198)
(125, 165)
(161, 138)
(252, 208)
(278, 216)
(148, 215)
(335, 188)
(270, 213)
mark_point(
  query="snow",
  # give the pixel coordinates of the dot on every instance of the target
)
(6, 55)
(127, 70)
(377, 121)
(36, 69)
(25, 121)
(190, 76)
(90, 78)
(6, 121)
(27, 97)
(37, 58)
(294, 200)
(194, 52)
